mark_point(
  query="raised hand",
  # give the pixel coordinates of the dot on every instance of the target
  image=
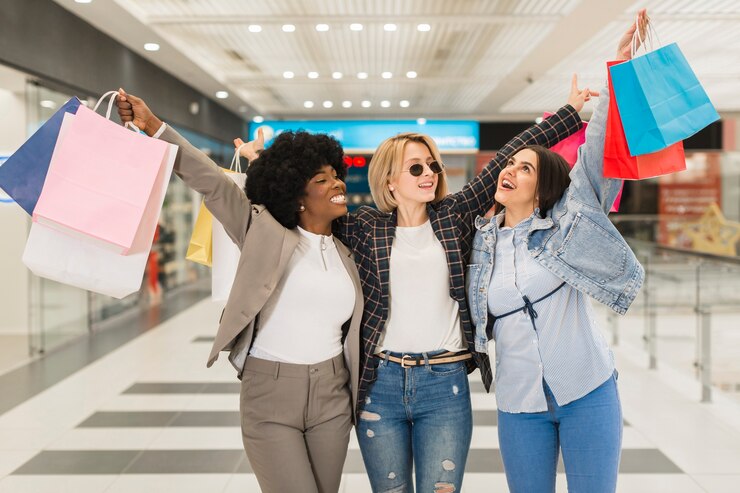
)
(624, 49)
(134, 109)
(251, 149)
(578, 97)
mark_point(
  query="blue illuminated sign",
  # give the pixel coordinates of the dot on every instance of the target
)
(365, 135)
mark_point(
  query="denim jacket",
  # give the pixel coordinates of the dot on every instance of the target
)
(575, 240)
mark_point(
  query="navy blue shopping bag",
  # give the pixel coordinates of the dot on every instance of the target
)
(23, 174)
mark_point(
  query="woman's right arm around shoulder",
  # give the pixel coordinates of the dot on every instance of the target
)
(225, 200)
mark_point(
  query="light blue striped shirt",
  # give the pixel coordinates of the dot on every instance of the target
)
(562, 344)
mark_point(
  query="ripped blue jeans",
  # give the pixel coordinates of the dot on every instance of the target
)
(419, 416)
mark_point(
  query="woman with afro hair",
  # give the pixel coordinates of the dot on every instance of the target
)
(292, 319)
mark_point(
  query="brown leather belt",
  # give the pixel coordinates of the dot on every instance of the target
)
(407, 361)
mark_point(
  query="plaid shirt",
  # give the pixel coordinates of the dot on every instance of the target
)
(370, 233)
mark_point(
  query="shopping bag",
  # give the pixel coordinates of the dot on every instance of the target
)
(81, 263)
(618, 163)
(22, 175)
(568, 147)
(200, 249)
(225, 253)
(660, 100)
(101, 177)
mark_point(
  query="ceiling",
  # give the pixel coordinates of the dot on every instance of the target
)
(480, 59)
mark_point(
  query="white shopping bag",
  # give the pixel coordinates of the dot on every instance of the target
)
(225, 252)
(86, 263)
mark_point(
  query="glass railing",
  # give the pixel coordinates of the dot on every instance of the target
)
(687, 314)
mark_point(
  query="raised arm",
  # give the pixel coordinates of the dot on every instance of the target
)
(588, 185)
(477, 196)
(224, 199)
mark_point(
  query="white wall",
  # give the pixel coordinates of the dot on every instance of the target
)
(14, 276)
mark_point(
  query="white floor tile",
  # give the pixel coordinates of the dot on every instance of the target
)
(12, 460)
(106, 439)
(657, 483)
(180, 483)
(56, 484)
(185, 438)
(244, 483)
(719, 483)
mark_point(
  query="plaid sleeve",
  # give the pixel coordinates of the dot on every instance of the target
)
(477, 196)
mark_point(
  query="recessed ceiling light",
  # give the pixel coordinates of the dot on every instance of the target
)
(83, 1)
(423, 27)
(288, 28)
(151, 46)
(366, 104)
(258, 119)
(288, 74)
(411, 74)
(313, 75)
(255, 28)
(356, 27)
(328, 104)
(386, 75)
(336, 75)
(421, 121)
(346, 104)
(385, 104)
(308, 104)
(404, 104)
(47, 103)
(322, 28)
(222, 94)
(362, 75)
(389, 27)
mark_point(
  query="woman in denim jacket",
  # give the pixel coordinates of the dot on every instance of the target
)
(534, 264)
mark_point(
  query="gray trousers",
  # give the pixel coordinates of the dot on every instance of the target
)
(296, 421)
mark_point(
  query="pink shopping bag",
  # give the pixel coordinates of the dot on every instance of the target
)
(100, 179)
(568, 149)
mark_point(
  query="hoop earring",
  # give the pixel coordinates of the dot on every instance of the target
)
(302, 208)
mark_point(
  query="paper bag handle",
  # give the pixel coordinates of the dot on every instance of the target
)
(114, 94)
(236, 164)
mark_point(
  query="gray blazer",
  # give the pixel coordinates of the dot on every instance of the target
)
(266, 247)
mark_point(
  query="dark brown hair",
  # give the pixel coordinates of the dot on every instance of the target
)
(553, 178)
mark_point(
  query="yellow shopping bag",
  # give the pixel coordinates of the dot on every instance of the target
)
(200, 249)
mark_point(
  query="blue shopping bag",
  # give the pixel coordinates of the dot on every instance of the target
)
(23, 174)
(660, 100)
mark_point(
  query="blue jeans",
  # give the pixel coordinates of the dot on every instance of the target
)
(588, 431)
(418, 416)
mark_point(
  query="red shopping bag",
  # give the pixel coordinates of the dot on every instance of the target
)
(618, 163)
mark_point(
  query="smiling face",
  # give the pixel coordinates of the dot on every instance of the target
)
(325, 198)
(409, 189)
(517, 183)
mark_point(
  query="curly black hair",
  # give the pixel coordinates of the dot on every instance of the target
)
(278, 178)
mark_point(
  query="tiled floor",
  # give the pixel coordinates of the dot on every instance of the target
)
(149, 417)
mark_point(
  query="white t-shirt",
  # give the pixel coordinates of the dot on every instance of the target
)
(302, 321)
(423, 316)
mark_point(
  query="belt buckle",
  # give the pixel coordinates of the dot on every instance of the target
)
(403, 361)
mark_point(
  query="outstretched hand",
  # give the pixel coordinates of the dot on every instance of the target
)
(624, 49)
(251, 149)
(133, 109)
(578, 97)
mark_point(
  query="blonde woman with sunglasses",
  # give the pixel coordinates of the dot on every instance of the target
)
(417, 338)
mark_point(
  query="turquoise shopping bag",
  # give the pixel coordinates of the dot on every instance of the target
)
(660, 100)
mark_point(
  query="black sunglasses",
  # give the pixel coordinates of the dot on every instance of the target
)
(417, 169)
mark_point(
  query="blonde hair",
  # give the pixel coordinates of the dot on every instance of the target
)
(387, 163)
